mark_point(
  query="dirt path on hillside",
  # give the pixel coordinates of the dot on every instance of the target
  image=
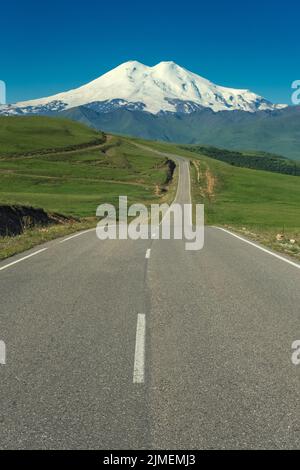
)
(210, 183)
(206, 180)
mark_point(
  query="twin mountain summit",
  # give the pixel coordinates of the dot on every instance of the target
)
(168, 102)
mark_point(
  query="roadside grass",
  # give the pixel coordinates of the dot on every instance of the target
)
(260, 205)
(29, 238)
(289, 244)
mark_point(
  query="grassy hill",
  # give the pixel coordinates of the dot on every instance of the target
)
(74, 182)
(241, 195)
(259, 204)
(20, 134)
(255, 160)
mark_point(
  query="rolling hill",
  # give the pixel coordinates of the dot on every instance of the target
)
(20, 134)
(73, 182)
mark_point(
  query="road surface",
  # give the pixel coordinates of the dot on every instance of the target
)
(142, 345)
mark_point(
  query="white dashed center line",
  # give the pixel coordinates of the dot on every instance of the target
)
(139, 356)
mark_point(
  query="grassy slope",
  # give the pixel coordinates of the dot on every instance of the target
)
(255, 160)
(23, 134)
(245, 196)
(74, 183)
(257, 203)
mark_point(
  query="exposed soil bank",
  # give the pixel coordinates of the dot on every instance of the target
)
(15, 219)
(171, 168)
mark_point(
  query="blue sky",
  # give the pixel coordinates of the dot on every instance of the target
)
(48, 47)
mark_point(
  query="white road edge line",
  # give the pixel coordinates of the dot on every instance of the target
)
(139, 355)
(296, 265)
(22, 259)
(76, 235)
(148, 252)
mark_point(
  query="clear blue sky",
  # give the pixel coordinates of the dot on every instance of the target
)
(52, 46)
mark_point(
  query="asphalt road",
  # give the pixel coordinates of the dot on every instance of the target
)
(124, 344)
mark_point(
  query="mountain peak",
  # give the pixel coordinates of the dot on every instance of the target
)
(168, 63)
(130, 63)
(164, 87)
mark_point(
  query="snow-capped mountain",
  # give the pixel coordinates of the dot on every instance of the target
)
(166, 87)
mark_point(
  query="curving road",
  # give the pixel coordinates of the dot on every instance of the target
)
(143, 345)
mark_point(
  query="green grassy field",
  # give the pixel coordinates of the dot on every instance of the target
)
(22, 134)
(255, 160)
(75, 183)
(258, 203)
(240, 195)
(72, 183)
(249, 197)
